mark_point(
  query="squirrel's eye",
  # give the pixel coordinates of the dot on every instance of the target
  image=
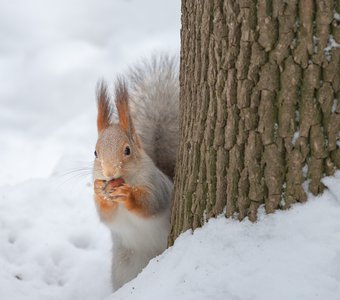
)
(95, 154)
(127, 151)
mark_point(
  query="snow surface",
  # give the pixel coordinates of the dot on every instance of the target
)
(291, 254)
(52, 245)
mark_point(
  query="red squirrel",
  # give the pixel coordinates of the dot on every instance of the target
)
(134, 164)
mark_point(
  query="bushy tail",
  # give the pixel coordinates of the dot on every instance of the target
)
(154, 94)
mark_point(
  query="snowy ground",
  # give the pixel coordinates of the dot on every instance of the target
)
(287, 255)
(52, 245)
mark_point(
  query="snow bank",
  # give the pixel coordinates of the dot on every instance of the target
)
(51, 243)
(291, 254)
(52, 246)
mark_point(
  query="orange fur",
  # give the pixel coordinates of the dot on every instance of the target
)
(136, 203)
(107, 199)
(133, 198)
(122, 104)
(124, 115)
(104, 108)
(106, 207)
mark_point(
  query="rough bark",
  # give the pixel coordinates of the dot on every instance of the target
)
(260, 106)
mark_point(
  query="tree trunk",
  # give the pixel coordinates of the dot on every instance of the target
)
(260, 106)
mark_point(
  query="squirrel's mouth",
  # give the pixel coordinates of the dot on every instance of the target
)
(115, 177)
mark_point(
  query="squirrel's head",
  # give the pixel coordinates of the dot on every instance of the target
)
(118, 146)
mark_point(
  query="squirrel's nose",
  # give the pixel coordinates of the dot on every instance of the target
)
(110, 171)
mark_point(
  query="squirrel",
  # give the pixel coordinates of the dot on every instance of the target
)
(135, 161)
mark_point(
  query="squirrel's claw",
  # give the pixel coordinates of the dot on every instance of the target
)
(120, 194)
(117, 194)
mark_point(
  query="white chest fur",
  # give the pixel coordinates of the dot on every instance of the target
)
(136, 240)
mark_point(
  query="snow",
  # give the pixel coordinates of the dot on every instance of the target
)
(336, 16)
(287, 255)
(295, 137)
(335, 104)
(52, 245)
(332, 44)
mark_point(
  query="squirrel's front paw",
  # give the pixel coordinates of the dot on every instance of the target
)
(109, 190)
(105, 206)
(99, 185)
(120, 194)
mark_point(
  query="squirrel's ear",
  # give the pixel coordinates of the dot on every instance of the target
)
(122, 104)
(104, 107)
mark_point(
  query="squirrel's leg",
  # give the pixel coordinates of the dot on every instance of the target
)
(105, 206)
(135, 199)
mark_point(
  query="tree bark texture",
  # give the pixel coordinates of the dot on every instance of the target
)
(260, 106)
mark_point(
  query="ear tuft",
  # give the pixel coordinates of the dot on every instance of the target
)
(104, 107)
(122, 104)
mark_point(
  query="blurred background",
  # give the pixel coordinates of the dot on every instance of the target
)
(52, 53)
